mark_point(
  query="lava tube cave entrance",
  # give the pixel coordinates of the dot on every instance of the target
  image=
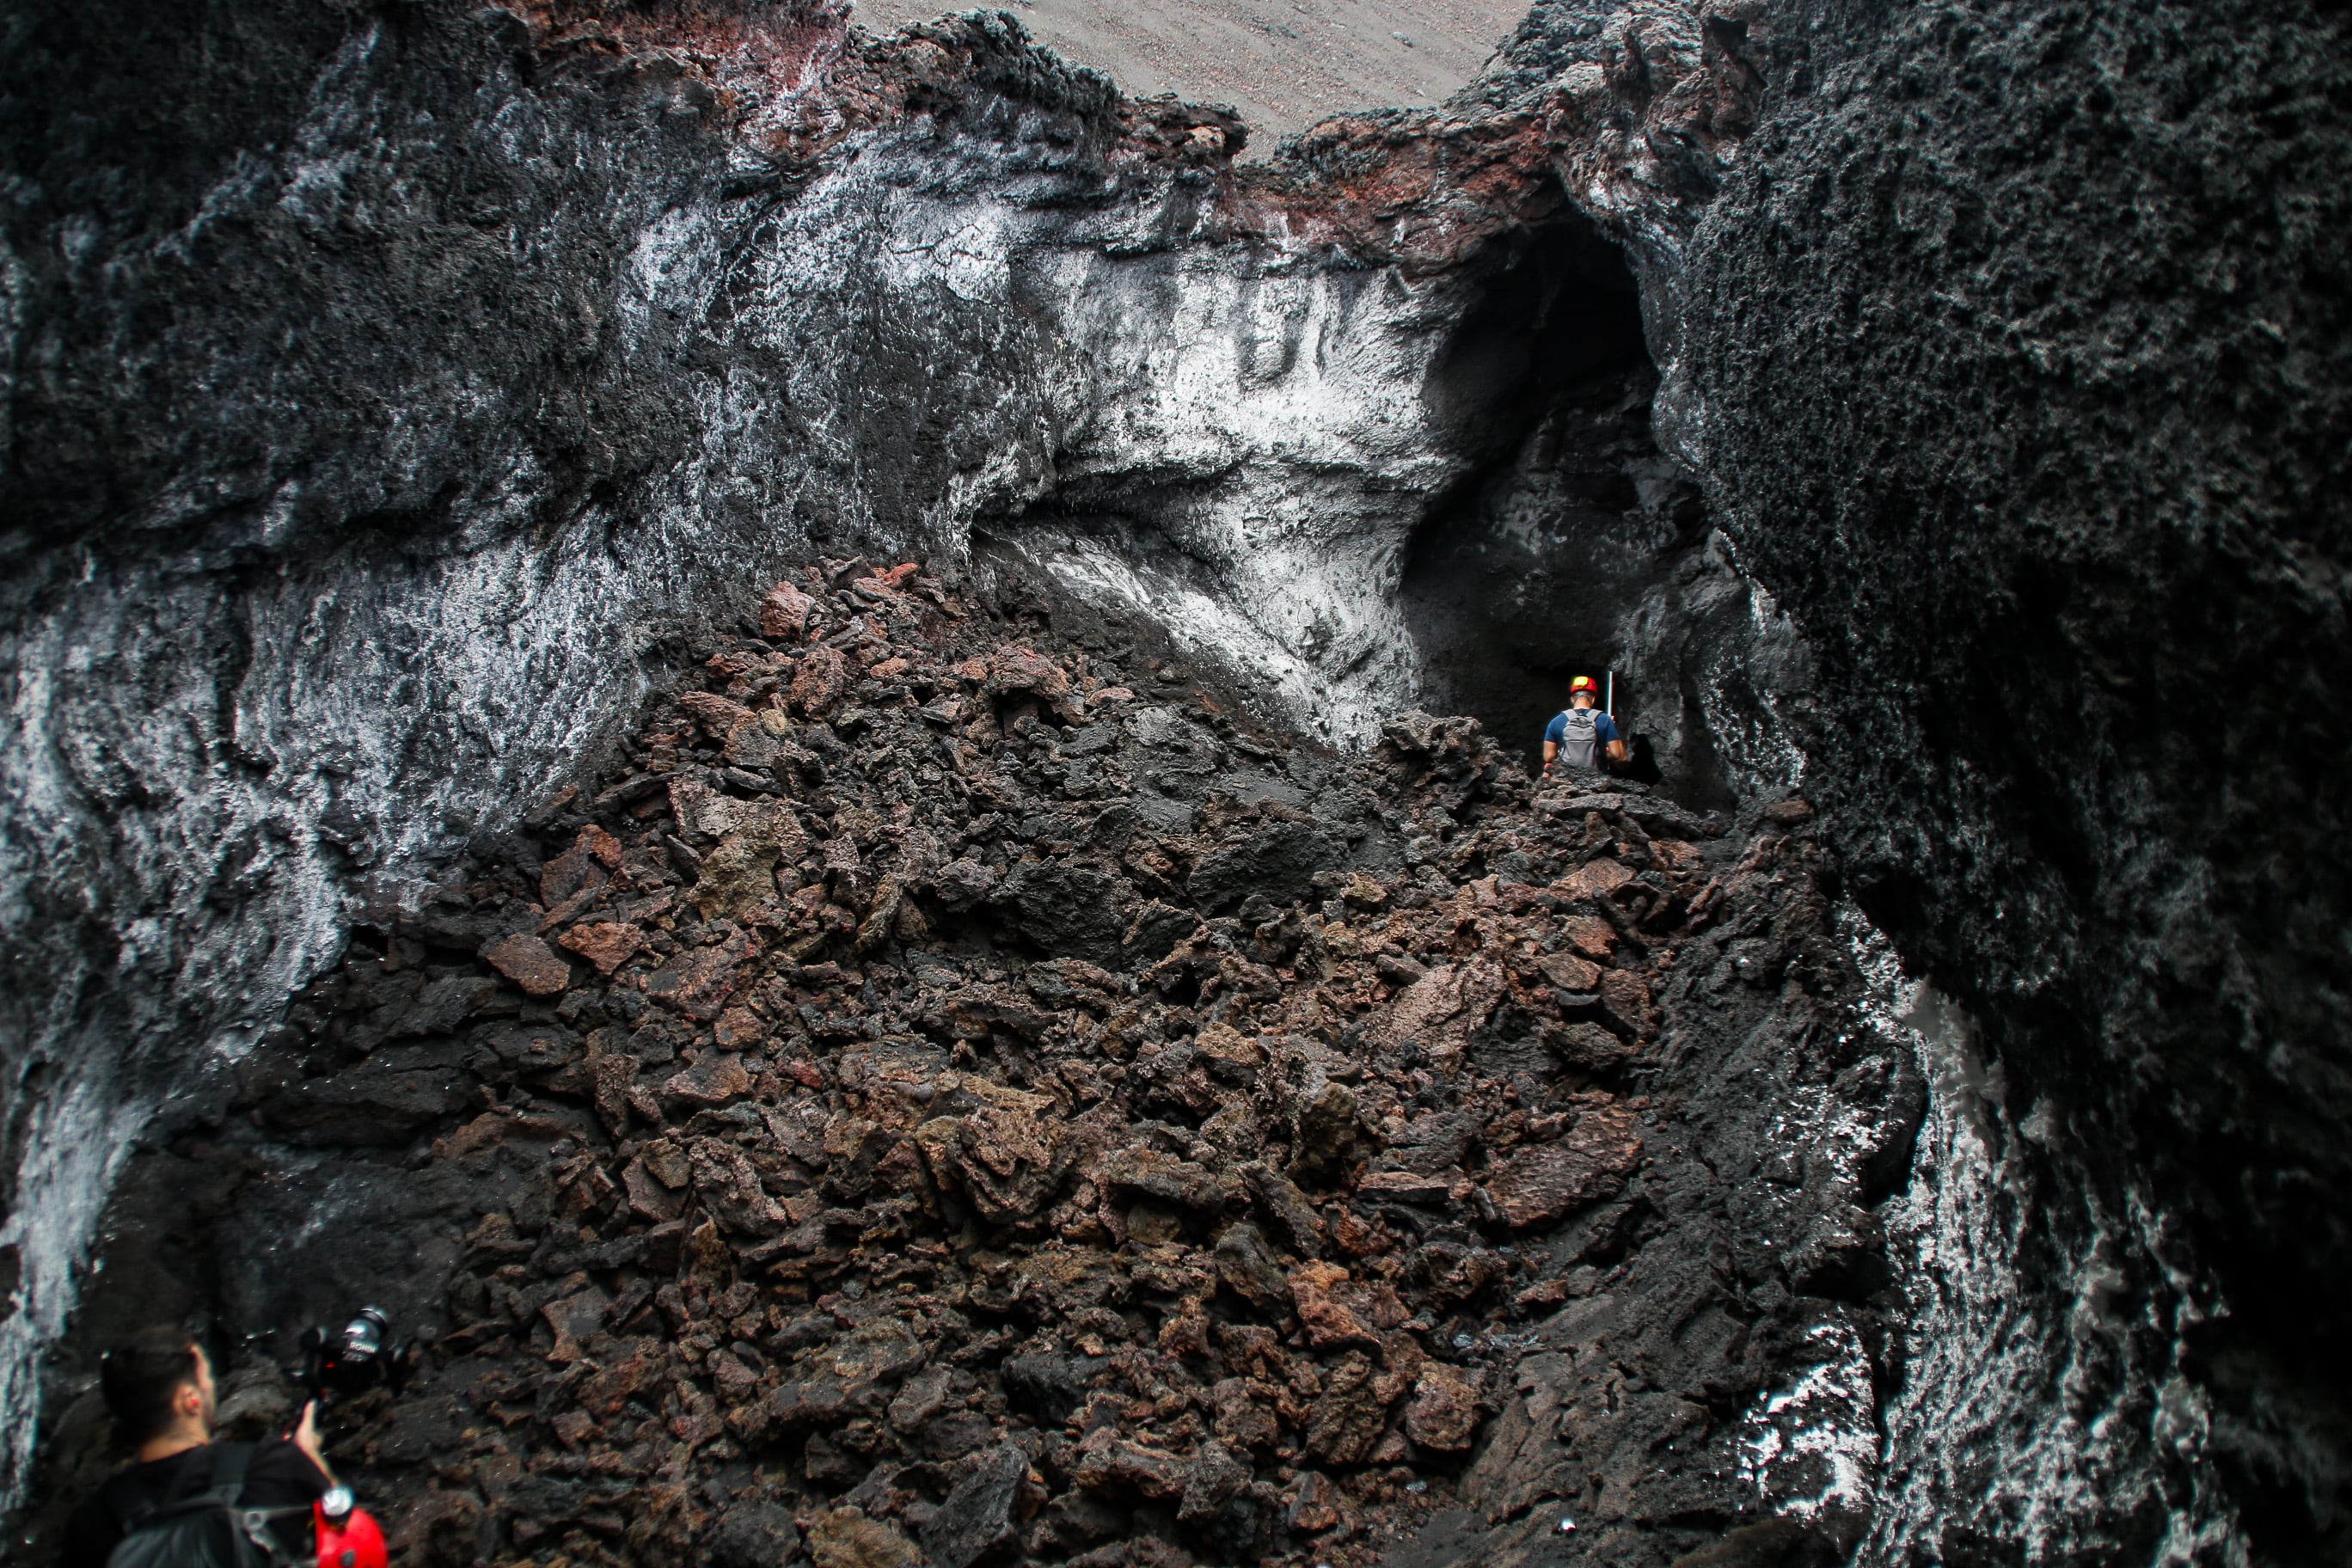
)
(1555, 555)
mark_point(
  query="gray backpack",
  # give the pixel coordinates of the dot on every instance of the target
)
(1580, 743)
(208, 1529)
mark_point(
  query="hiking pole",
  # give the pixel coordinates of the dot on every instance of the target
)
(1609, 703)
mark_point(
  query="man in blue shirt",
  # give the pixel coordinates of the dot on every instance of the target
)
(1579, 737)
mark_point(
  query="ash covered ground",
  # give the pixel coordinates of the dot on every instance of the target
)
(966, 1091)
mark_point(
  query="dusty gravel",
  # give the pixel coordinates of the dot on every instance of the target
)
(1284, 64)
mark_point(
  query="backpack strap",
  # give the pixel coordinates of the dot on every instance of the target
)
(138, 1506)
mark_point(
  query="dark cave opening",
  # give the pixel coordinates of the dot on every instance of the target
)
(1544, 561)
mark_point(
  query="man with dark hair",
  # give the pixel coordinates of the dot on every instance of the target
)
(159, 1388)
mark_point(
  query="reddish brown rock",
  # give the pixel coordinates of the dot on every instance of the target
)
(1625, 997)
(715, 1078)
(1236, 1053)
(729, 1188)
(738, 1028)
(605, 943)
(591, 855)
(1336, 1310)
(1010, 1161)
(1590, 935)
(817, 684)
(845, 1538)
(1439, 1011)
(573, 1427)
(1589, 1047)
(715, 713)
(1430, 1188)
(1023, 669)
(784, 612)
(667, 1162)
(574, 1318)
(614, 1076)
(1316, 1506)
(1244, 1413)
(1107, 1464)
(1546, 1184)
(1443, 1414)
(648, 1199)
(1570, 972)
(606, 1390)
(529, 964)
(1147, 1172)
(732, 1379)
(757, 740)
(1126, 1156)
(1347, 1423)
(1594, 880)
(700, 981)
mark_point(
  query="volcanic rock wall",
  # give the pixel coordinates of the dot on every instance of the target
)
(384, 396)
(2012, 353)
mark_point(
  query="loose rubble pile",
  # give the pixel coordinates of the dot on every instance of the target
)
(950, 1100)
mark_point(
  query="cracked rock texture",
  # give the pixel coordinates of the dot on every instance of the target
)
(1941, 406)
(980, 1093)
(2012, 352)
(382, 397)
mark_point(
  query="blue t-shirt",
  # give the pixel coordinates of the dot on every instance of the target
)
(1604, 728)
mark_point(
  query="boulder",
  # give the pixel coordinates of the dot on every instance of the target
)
(845, 1538)
(975, 1521)
(529, 964)
(1279, 860)
(1545, 1184)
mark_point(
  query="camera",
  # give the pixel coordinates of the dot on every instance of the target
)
(358, 1357)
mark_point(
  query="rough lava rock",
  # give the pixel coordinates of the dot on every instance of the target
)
(1939, 409)
(952, 1246)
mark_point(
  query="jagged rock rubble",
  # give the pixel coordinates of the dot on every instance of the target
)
(960, 1097)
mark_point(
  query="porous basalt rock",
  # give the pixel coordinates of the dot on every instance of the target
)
(2012, 358)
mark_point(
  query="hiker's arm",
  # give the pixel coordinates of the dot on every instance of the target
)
(305, 1436)
(1552, 749)
(1617, 751)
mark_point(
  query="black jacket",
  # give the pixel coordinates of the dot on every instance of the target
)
(282, 1476)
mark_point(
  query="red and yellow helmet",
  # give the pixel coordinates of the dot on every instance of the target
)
(1582, 683)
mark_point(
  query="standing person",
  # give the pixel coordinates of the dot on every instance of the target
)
(159, 1389)
(1581, 735)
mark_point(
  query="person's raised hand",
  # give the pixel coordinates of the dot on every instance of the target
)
(305, 1435)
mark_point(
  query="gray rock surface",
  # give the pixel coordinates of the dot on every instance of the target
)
(2012, 353)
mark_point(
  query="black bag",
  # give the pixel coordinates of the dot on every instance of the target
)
(206, 1531)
